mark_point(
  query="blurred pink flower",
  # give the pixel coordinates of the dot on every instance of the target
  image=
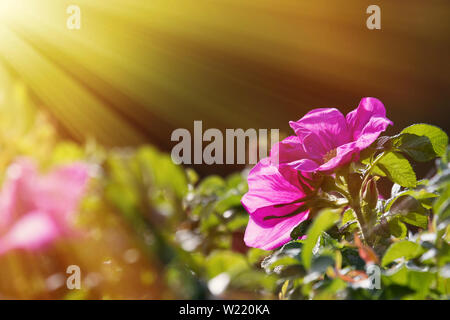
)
(275, 204)
(326, 140)
(37, 209)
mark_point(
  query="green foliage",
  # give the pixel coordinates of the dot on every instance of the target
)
(324, 221)
(398, 169)
(417, 147)
(199, 226)
(437, 137)
(402, 249)
(195, 227)
(406, 236)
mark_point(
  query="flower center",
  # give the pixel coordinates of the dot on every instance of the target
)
(329, 155)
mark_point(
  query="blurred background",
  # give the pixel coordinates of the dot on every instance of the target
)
(137, 70)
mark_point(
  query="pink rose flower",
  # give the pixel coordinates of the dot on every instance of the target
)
(326, 140)
(275, 202)
(280, 185)
(37, 209)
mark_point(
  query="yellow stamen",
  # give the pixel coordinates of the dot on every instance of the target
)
(329, 155)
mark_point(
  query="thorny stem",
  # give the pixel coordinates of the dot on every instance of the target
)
(356, 203)
(362, 222)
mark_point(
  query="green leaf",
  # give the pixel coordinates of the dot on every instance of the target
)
(321, 263)
(239, 222)
(423, 196)
(255, 255)
(418, 283)
(253, 280)
(442, 205)
(330, 289)
(225, 261)
(437, 136)
(417, 147)
(408, 209)
(348, 216)
(287, 255)
(397, 228)
(406, 249)
(324, 221)
(162, 172)
(350, 257)
(229, 201)
(328, 241)
(192, 176)
(444, 162)
(398, 169)
(300, 230)
(284, 289)
(416, 219)
(421, 282)
(212, 185)
(209, 221)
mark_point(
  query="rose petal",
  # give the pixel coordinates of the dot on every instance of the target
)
(327, 125)
(268, 186)
(60, 191)
(33, 231)
(304, 165)
(287, 150)
(371, 132)
(34, 208)
(344, 154)
(269, 238)
(361, 120)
